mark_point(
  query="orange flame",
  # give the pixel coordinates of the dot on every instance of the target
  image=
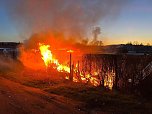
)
(70, 51)
(48, 59)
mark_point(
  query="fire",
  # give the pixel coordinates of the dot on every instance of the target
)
(46, 54)
(48, 59)
(70, 51)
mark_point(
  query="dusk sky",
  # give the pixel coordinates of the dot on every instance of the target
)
(132, 23)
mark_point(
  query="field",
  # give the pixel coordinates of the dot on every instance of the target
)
(25, 91)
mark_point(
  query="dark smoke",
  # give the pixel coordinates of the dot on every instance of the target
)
(71, 18)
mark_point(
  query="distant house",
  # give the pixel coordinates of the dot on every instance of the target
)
(9, 49)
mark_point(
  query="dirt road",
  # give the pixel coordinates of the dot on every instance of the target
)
(19, 99)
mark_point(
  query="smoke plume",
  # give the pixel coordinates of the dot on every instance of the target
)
(69, 18)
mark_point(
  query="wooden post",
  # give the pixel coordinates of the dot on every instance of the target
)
(116, 72)
(78, 73)
(71, 74)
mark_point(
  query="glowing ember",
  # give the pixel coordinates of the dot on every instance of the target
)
(109, 79)
(70, 51)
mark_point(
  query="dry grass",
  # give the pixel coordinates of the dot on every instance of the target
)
(95, 98)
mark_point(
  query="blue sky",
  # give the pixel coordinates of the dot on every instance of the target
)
(134, 23)
(8, 30)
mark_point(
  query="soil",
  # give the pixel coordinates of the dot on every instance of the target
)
(20, 99)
